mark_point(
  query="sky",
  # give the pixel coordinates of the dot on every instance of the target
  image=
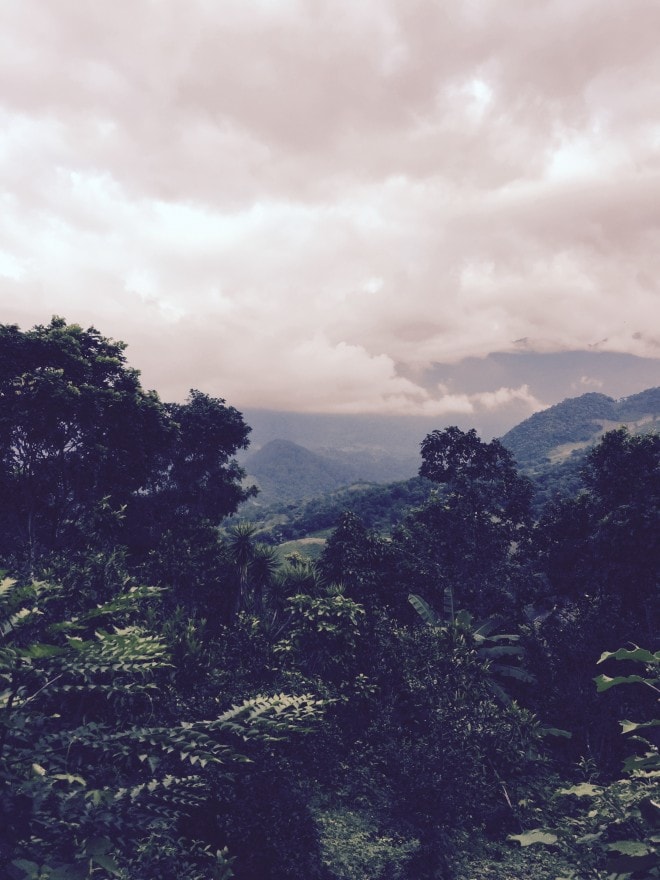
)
(397, 207)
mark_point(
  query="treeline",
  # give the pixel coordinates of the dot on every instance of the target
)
(177, 703)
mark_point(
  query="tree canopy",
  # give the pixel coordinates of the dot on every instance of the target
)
(79, 436)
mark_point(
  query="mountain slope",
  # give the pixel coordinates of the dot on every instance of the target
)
(551, 436)
(285, 471)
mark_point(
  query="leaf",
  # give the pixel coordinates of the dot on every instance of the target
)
(554, 731)
(629, 726)
(30, 868)
(502, 651)
(529, 838)
(107, 862)
(629, 847)
(38, 651)
(485, 627)
(512, 672)
(584, 789)
(98, 846)
(423, 608)
(639, 654)
(70, 778)
(627, 865)
(604, 682)
(650, 810)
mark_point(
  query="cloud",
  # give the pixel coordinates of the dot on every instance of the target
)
(309, 204)
(494, 399)
(587, 382)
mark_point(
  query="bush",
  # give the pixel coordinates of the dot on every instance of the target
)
(354, 848)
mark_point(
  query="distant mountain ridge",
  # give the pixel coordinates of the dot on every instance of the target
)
(552, 435)
(548, 445)
(285, 471)
(304, 491)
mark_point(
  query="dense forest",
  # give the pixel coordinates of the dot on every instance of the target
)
(472, 693)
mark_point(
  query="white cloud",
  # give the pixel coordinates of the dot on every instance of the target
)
(494, 399)
(311, 202)
(588, 383)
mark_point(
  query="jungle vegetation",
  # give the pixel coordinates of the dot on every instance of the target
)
(472, 694)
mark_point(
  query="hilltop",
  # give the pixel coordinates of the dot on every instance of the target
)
(285, 471)
(552, 436)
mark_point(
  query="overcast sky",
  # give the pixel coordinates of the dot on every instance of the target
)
(337, 205)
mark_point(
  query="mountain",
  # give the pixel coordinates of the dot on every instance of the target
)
(285, 471)
(303, 490)
(377, 435)
(552, 436)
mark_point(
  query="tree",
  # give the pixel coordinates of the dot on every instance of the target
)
(599, 557)
(624, 469)
(83, 447)
(198, 476)
(468, 536)
(255, 565)
(603, 544)
(361, 560)
(75, 428)
(484, 473)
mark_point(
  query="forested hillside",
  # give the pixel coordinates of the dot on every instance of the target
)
(576, 423)
(303, 494)
(472, 694)
(285, 471)
(551, 446)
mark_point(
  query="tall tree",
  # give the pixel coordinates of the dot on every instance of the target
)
(80, 437)
(362, 561)
(75, 427)
(483, 474)
(603, 544)
(468, 536)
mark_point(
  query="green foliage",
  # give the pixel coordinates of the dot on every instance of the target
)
(496, 650)
(444, 743)
(575, 420)
(77, 751)
(529, 838)
(196, 475)
(75, 428)
(82, 445)
(470, 535)
(256, 565)
(424, 610)
(617, 835)
(322, 634)
(118, 754)
(359, 559)
(485, 473)
(603, 544)
(379, 507)
(354, 848)
(181, 859)
(598, 562)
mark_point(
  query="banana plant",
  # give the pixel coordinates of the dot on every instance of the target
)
(499, 651)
